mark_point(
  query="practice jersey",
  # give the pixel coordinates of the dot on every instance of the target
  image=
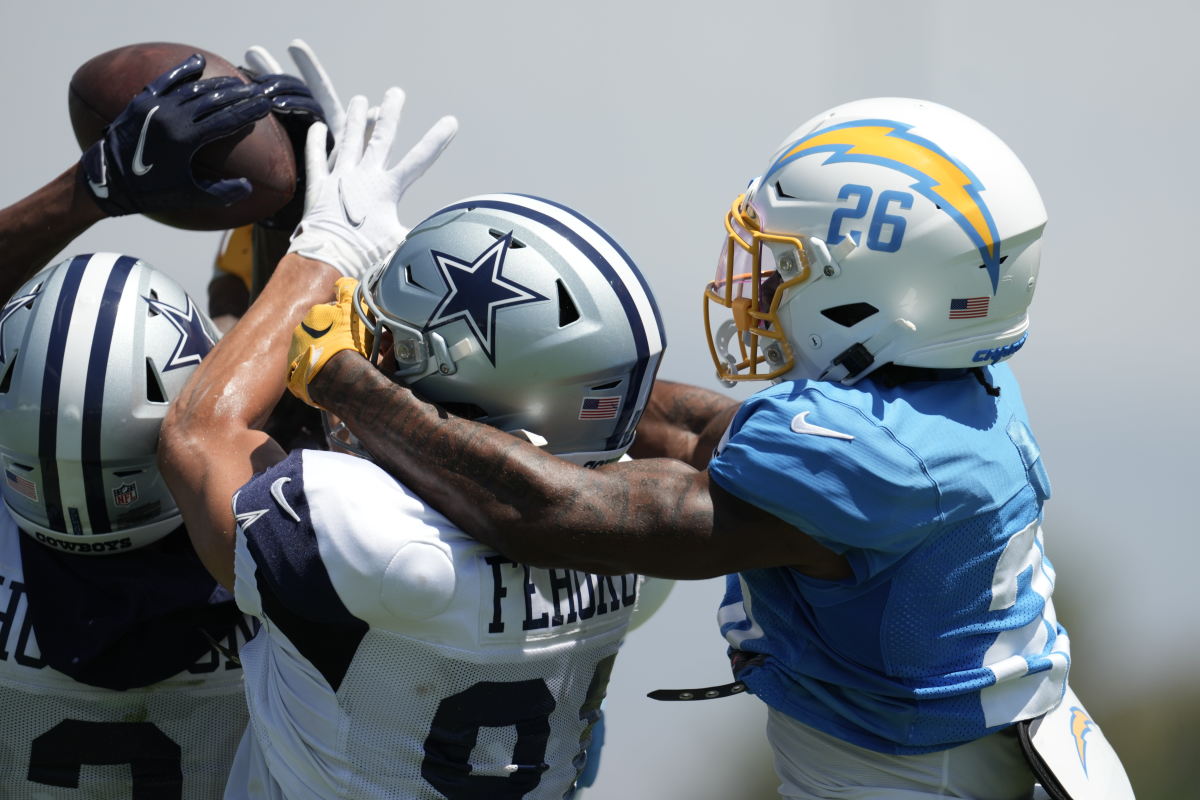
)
(399, 658)
(66, 740)
(933, 492)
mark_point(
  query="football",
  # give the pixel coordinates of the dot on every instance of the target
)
(261, 153)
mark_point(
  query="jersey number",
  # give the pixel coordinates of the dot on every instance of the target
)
(525, 705)
(1022, 566)
(156, 760)
(881, 219)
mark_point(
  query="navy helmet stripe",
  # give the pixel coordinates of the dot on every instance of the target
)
(662, 333)
(93, 395)
(51, 384)
(623, 428)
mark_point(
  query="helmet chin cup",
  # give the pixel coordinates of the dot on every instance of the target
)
(418, 355)
(340, 438)
(721, 340)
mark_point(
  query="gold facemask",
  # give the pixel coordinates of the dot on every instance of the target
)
(752, 294)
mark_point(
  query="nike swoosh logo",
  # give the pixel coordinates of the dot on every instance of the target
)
(277, 493)
(140, 167)
(801, 425)
(101, 189)
(354, 223)
(315, 333)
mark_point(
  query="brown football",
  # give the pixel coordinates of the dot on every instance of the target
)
(104, 85)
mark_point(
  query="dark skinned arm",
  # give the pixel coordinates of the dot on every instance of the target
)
(683, 422)
(34, 229)
(657, 516)
(188, 112)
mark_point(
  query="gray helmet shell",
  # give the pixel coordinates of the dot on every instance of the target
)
(92, 351)
(525, 315)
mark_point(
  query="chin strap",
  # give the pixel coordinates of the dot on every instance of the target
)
(852, 363)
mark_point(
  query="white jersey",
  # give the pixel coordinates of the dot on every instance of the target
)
(63, 739)
(399, 658)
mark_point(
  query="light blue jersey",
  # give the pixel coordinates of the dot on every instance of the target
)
(933, 492)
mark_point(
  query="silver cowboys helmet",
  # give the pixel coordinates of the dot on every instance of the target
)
(92, 351)
(522, 314)
(882, 231)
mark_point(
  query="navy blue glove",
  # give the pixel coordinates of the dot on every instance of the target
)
(143, 163)
(291, 100)
(293, 105)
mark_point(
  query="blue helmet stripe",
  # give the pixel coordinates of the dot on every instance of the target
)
(51, 385)
(662, 333)
(93, 395)
(624, 427)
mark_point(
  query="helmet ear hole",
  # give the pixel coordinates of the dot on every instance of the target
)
(514, 244)
(155, 393)
(408, 276)
(568, 312)
(850, 314)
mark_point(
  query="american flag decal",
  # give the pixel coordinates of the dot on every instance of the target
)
(968, 307)
(599, 408)
(21, 485)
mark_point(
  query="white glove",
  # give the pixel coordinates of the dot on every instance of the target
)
(350, 208)
(315, 77)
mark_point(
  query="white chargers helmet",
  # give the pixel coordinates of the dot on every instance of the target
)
(522, 314)
(91, 353)
(883, 231)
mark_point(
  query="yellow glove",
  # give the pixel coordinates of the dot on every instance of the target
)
(236, 254)
(326, 330)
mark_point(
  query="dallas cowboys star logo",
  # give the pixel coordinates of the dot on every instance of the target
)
(194, 342)
(248, 518)
(478, 291)
(13, 306)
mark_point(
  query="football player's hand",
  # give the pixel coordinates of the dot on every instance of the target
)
(315, 78)
(143, 162)
(325, 331)
(293, 104)
(351, 218)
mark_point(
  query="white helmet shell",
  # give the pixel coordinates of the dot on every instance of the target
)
(882, 231)
(92, 351)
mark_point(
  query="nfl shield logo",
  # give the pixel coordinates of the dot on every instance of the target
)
(125, 494)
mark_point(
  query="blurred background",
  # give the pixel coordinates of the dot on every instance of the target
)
(650, 118)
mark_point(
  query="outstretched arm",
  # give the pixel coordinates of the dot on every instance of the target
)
(36, 227)
(177, 113)
(211, 443)
(658, 517)
(683, 422)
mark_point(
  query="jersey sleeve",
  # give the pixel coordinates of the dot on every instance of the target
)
(336, 539)
(278, 566)
(825, 467)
